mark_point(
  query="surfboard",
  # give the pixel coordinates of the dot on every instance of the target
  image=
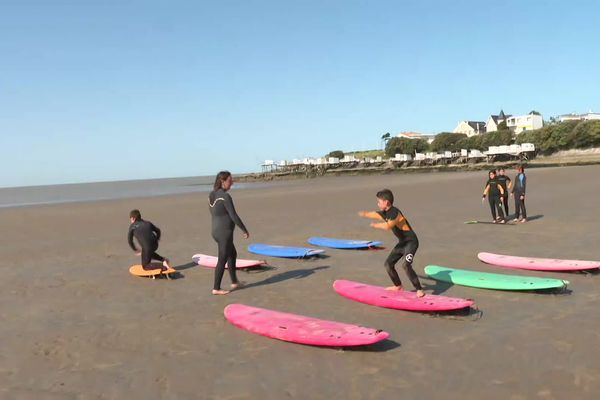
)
(399, 300)
(283, 251)
(486, 280)
(301, 329)
(138, 270)
(343, 243)
(211, 262)
(537, 264)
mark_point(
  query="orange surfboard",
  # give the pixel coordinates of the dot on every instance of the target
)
(138, 270)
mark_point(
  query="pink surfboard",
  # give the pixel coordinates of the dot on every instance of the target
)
(300, 329)
(402, 300)
(537, 264)
(211, 262)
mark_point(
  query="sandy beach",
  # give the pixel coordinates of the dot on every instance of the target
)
(75, 325)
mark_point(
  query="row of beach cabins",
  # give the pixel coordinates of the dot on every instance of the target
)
(522, 152)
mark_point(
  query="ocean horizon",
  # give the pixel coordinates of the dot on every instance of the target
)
(23, 196)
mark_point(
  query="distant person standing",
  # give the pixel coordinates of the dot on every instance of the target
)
(518, 191)
(506, 185)
(495, 194)
(224, 220)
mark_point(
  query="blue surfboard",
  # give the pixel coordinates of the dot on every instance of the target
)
(283, 251)
(342, 243)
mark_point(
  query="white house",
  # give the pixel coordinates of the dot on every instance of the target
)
(521, 123)
(494, 120)
(579, 117)
(416, 135)
(470, 128)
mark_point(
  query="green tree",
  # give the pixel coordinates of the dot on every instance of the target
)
(398, 145)
(533, 112)
(502, 126)
(336, 154)
(497, 138)
(471, 143)
(447, 141)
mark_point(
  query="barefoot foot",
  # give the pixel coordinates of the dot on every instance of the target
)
(420, 293)
(394, 288)
(220, 292)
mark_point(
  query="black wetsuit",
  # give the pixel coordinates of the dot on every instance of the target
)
(504, 181)
(407, 246)
(518, 191)
(147, 235)
(494, 196)
(224, 220)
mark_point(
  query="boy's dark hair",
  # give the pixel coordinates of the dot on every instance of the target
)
(501, 169)
(386, 194)
(521, 168)
(135, 214)
(492, 171)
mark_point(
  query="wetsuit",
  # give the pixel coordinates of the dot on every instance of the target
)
(407, 246)
(504, 181)
(518, 191)
(494, 193)
(224, 220)
(147, 235)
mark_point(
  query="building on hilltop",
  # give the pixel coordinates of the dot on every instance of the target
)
(522, 123)
(494, 120)
(470, 128)
(579, 117)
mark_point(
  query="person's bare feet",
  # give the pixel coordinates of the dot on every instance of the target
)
(220, 292)
(524, 220)
(167, 264)
(237, 285)
(394, 288)
(420, 293)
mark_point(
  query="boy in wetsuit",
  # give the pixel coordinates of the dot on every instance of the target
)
(147, 235)
(408, 243)
(494, 189)
(506, 185)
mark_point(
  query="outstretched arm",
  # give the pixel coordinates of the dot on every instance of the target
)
(370, 214)
(388, 225)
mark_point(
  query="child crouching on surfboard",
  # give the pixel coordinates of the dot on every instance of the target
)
(408, 243)
(147, 235)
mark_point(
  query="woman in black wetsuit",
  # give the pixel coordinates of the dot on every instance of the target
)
(224, 220)
(495, 192)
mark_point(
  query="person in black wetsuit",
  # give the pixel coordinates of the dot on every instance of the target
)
(506, 185)
(494, 191)
(408, 243)
(147, 235)
(518, 191)
(224, 220)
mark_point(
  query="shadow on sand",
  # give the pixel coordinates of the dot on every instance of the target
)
(284, 276)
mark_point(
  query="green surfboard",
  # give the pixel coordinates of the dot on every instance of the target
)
(486, 280)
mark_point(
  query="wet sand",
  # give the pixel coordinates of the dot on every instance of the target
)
(75, 325)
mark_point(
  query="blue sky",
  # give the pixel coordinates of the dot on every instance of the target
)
(112, 90)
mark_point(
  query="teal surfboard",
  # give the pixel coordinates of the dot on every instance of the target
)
(486, 280)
